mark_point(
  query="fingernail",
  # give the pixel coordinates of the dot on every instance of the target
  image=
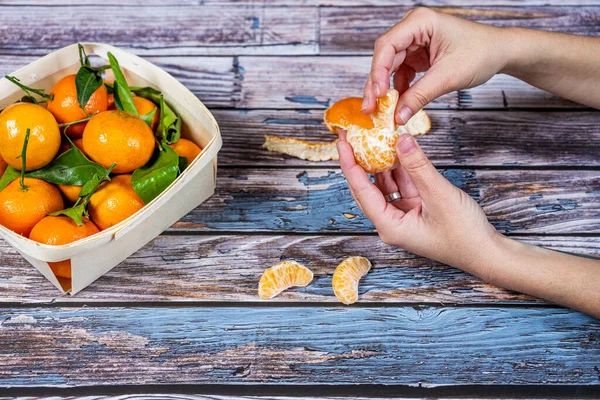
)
(407, 145)
(377, 89)
(405, 114)
(365, 104)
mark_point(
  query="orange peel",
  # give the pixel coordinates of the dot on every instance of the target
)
(347, 276)
(372, 137)
(315, 151)
(283, 276)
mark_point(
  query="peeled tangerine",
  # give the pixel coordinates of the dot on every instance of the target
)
(281, 277)
(346, 277)
(374, 148)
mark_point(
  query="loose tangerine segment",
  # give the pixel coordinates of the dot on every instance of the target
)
(346, 277)
(346, 112)
(281, 277)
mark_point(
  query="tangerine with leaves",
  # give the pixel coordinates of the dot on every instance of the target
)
(61, 230)
(22, 208)
(143, 107)
(3, 166)
(71, 192)
(115, 201)
(186, 148)
(44, 139)
(118, 137)
(346, 277)
(66, 108)
(281, 277)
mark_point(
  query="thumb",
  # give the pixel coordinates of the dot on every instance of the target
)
(431, 86)
(428, 181)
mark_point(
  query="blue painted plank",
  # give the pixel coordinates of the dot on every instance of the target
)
(318, 200)
(320, 346)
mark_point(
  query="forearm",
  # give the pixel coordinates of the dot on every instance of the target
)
(566, 65)
(560, 278)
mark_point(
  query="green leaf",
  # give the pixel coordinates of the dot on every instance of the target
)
(123, 97)
(10, 174)
(169, 126)
(183, 163)
(151, 180)
(70, 168)
(87, 81)
(76, 213)
(149, 116)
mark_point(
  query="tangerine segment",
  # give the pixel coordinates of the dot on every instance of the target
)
(374, 149)
(58, 231)
(44, 135)
(114, 202)
(186, 148)
(346, 112)
(281, 277)
(116, 136)
(346, 277)
(21, 210)
(66, 108)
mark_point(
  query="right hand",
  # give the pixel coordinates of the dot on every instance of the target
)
(456, 54)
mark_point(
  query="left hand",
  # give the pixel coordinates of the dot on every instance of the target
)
(433, 219)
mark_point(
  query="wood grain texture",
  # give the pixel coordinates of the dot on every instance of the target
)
(152, 396)
(214, 80)
(320, 346)
(278, 82)
(318, 200)
(159, 30)
(228, 268)
(353, 30)
(483, 138)
(320, 3)
(316, 82)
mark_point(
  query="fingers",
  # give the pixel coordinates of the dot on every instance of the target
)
(431, 86)
(404, 183)
(365, 192)
(430, 184)
(403, 76)
(386, 183)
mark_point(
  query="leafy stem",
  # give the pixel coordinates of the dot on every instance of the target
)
(66, 125)
(30, 91)
(77, 212)
(23, 157)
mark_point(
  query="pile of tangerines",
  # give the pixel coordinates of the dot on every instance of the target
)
(85, 156)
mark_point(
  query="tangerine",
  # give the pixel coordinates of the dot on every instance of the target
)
(186, 148)
(58, 231)
(118, 137)
(114, 202)
(71, 192)
(44, 136)
(3, 166)
(281, 277)
(66, 108)
(143, 107)
(21, 210)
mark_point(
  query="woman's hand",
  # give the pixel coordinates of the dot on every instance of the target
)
(456, 54)
(433, 219)
(437, 220)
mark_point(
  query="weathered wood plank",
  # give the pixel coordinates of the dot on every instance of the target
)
(312, 83)
(214, 80)
(152, 396)
(323, 3)
(227, 268)
(318, 200)
(352, 30)
(315, 82)
(490, 138)
(423, 346)
(193, 29)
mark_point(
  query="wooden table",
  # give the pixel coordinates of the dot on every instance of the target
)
(182, 316)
